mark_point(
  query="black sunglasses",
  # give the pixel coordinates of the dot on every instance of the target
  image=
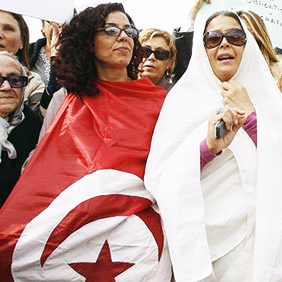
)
(159, 54)
(116, 31)
(234, 36)
(15, 81)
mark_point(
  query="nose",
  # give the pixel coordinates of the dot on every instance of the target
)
(123, 36)
(5, 85)
(224, 42)
(151, 57)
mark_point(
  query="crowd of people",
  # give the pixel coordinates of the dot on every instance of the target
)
(107, 130)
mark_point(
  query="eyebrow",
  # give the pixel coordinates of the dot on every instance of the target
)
(10, 74)
(114, 24)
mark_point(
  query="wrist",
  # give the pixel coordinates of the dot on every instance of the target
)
(213, 150)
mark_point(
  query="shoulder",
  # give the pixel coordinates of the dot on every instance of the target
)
(35, 81)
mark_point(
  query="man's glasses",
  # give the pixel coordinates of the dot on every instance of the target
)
(116, 31)
(234, 36)
(15, 81)
(159, 54)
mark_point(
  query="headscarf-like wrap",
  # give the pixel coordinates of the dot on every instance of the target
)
(173, 172)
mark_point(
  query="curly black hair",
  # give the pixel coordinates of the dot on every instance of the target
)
(75, 62)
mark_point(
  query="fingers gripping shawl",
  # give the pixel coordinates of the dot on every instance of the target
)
(173, 169)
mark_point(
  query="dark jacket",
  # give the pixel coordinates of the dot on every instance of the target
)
(24, 138)
(33, 51)
(184, 43)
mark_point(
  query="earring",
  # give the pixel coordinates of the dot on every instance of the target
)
(168, 73)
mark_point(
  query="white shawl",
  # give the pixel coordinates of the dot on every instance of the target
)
(173, 169)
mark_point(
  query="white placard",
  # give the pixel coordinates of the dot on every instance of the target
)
(59, 11)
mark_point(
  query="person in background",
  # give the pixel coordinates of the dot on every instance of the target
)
(99, 221)
(14, 38)
(41, 55)
(220, 195)
(258, 29)
(184, 40)
(159, 56)
(19, 126)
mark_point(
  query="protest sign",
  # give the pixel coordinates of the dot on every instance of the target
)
(59, 11)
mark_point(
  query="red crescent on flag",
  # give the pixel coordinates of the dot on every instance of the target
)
(95, 208)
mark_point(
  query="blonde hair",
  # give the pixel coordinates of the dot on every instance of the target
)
(259, 31)
(151, 33)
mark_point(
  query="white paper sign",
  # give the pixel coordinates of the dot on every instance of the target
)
(59, 11)
(269, 10)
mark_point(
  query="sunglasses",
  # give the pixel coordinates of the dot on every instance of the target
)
(159, 54)
(15, 81)
(116, 31)
(234, 36)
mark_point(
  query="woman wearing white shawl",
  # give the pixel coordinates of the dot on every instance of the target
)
(224, 222)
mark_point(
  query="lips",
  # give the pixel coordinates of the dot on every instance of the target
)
(225, 57)
(123, 49)
(149, 67)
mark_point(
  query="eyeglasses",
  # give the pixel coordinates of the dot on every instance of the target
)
(234, 36)
(15, 81)
(116, 31)
(159, 54)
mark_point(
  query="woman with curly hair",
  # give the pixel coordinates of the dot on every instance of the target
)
(91, 217)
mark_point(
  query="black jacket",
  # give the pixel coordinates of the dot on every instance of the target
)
(33, 51)
(24, 138)
(184, 42)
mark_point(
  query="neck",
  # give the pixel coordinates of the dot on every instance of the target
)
(112, 74)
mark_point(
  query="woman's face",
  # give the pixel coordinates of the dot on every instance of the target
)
(226, 57)
(10, 34)
(10, 98)
(151, 67)
(113, 52)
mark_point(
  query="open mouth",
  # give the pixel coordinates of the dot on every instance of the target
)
(225, 58)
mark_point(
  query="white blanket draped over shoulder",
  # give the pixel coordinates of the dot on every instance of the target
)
(197, 207)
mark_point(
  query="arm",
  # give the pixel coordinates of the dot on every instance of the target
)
(184, 41)
(51, 88)
(250, 125)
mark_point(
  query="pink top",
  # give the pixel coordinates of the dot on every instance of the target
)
(250, 125)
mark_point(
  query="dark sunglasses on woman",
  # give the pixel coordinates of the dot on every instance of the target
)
(116, 31)
(15, 81)
(234, 36)
(159, 54)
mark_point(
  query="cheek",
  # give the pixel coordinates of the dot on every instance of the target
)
(211, 56)
(8, 106)
(14, 43)
(162, 66)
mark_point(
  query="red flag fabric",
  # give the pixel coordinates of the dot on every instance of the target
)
(80, 211)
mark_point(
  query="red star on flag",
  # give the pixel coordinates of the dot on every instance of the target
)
(104, 269)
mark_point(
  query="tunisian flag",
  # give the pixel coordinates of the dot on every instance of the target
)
(80, 211)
